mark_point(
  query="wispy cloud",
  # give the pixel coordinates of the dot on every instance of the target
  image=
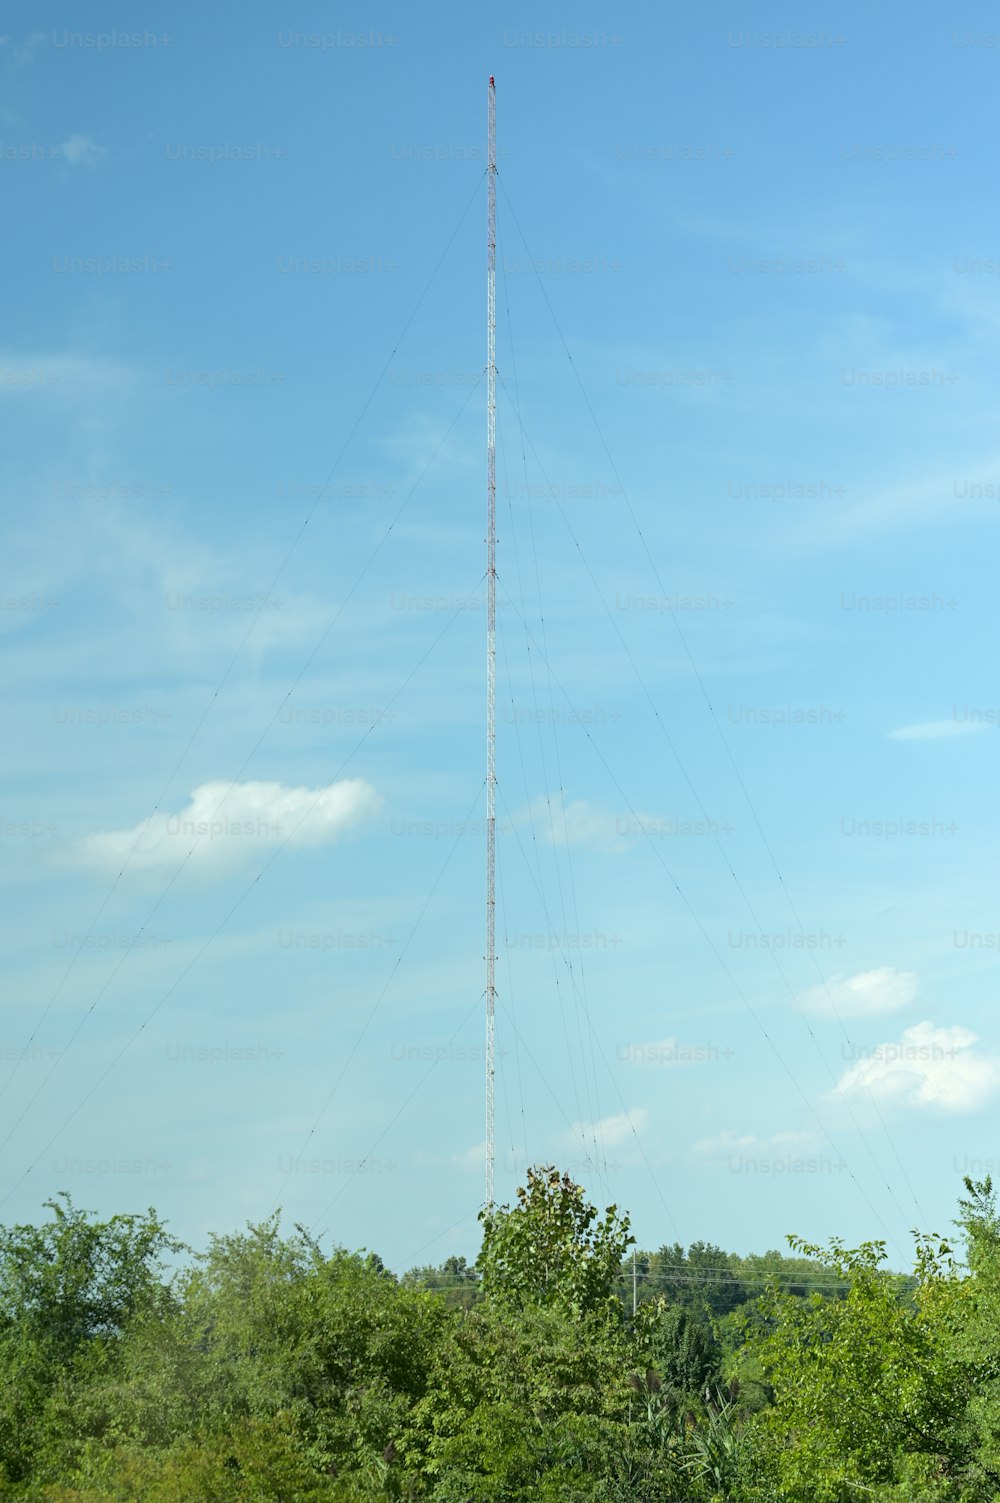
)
(89, 381)
(935, 730)
(608, 1132)
(668, 1051)
(21, 54)
(869, 994)
(579, 822)
(471, 1158)
(223, 822)
(746, 1144)
(81, 151)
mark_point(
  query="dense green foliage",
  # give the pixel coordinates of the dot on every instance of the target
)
(566, 1365)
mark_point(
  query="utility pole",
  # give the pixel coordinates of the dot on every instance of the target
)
(491, 626)
(633, 1282)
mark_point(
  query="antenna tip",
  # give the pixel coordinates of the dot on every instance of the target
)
(492, 84)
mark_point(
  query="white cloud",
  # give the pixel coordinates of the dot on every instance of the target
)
(869, 994)
(935, 730)
(575, 823)
(928, 1067)
(22, 55)
(582, 823)
(81, 151)
(668, 1051)
(748, 1144)
(225, 821)
(87, 383)
(471, 1158)
(608, 1132)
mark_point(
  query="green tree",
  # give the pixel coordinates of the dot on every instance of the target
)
(969, 1309)
(551, 1250)
(524, 1405)
(69, 1290)
(529, 1395)
(867, 1389)
(322, 1356)
(703, 1278)
(684, 1351)
(455, 1280)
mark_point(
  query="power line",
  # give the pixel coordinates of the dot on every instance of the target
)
(218, 928)
(246, 637)
(591, 1088)
(208, 824)
(725, 742)
(641, 827)
(379, 999)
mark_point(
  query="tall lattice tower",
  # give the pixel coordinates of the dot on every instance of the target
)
(491, 625)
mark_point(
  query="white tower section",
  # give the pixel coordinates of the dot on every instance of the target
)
(491, 630)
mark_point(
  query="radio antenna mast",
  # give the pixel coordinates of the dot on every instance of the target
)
(491, 625)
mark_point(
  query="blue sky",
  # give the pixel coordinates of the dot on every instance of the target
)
(747, 712)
